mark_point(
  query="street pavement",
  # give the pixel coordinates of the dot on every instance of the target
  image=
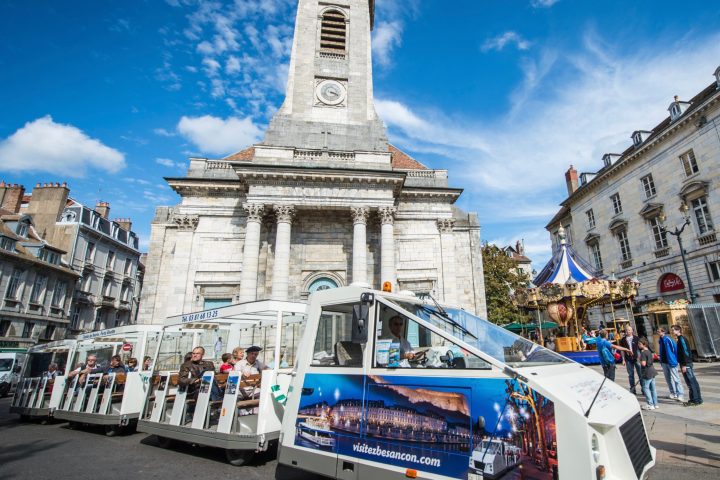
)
(687, 441)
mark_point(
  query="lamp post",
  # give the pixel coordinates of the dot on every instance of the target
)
(677, 232)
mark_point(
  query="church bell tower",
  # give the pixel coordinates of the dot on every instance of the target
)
(329, 105)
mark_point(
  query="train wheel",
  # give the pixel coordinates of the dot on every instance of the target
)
(111, 430)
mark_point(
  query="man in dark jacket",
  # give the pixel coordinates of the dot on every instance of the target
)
(191, 373)
(630, 358)
(115, 366)
(684, 356)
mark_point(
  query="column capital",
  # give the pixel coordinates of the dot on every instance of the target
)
(387, 215)
(255, 211)
(284, 213)
(445, 225)
(360, 214)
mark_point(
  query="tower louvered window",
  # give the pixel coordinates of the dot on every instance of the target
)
(333, 32)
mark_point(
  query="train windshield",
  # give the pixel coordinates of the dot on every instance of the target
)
(503, 345)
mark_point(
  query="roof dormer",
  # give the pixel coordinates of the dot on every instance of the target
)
(677, 108)
(639, 136)
(717, 78)
(610, 158)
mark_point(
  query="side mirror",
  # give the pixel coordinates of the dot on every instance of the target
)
(361, 314)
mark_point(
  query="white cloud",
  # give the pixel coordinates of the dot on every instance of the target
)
(386, 36)
(232, 66)
(509, 37)
(163, 132)
(571, 107)
(215, 135)
(166, 162)
(543, 3)
(45, 146)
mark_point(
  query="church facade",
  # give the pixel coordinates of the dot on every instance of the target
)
(323, 201)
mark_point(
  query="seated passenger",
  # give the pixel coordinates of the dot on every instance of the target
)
(115, 366)
(84, 369)
(238, 354)
(251, 365)
(191, 373)
(147, 363)
(132, 364)
(52, 372)
(228, 363)
(396, 329)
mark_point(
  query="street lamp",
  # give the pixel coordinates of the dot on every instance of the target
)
(677, 232)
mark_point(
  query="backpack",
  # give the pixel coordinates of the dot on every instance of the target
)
(606, 356)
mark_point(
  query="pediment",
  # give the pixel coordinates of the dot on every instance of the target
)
(651, 210)
(694, 189)
(592, 238)
(618, 224)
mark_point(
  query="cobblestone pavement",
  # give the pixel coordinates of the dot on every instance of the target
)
(687, 441)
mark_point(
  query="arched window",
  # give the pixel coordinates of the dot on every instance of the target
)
(333, 32)
(323, 283)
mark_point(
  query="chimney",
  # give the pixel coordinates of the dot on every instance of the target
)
(571, 180)
(11, 196)
(103, 208)
(47, 202)
(125, 223)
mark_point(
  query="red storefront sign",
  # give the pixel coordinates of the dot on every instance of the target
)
(671, 283)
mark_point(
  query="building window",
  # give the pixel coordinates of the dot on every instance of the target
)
(702, 215)
(107, 288)
(324, 284)
(58, 299)
(333, 32)
(714, 270)
(110, 263)
(13, 288)
(90, 252)
(49, 332)
(658, 233)
(5, 327)
(98, 317)
(596, 256)
(124, 293)
(648, 185)
(38, 289)
(75, 325)
(128, 266)
(590, 218)
(616, 203)
(87, 284)
(624, 245)
(689, 163)
(28, 330)
(22, 229)
(7, 244)
(49, 256)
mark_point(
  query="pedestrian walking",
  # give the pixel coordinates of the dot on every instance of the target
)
(605, 352)
(647, 375)
(684, 356)
(667, 352)
(630, 357)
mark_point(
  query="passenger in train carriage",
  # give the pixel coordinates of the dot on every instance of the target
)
(228, 363)
(238, 354)
(115, 366)
(191, 373)
(52, 372)
(84, 369)
(132, 364)
(251, 365)
(147, 363)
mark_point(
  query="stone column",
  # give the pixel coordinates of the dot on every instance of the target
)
(281, 268)
(449, 268)
(387, 246)
(359, 271)
(251, 251)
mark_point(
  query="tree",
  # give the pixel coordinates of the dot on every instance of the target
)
(501, 280)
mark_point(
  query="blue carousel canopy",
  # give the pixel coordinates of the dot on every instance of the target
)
(565, 266)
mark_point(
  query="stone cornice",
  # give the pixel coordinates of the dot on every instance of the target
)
(654, 141)
(206, 186)
(451, 194)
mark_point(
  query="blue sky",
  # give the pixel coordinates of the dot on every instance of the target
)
(505, 94)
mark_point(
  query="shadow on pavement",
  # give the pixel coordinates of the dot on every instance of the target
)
(24, 451)
(681, 452)
(211, 453)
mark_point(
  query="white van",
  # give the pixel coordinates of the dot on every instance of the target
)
(390, 387)
(11, 364)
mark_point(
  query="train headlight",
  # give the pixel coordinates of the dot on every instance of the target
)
(595, 446)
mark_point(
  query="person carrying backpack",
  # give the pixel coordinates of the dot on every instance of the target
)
(684, 356)
(605, 352)
(647, 374)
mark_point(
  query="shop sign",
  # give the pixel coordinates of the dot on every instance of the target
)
(671, 283)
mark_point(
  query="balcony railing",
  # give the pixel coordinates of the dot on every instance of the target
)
(626, 264)
(662, 252)
(707, 239)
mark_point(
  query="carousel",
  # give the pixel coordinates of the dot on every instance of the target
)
(568, 288)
